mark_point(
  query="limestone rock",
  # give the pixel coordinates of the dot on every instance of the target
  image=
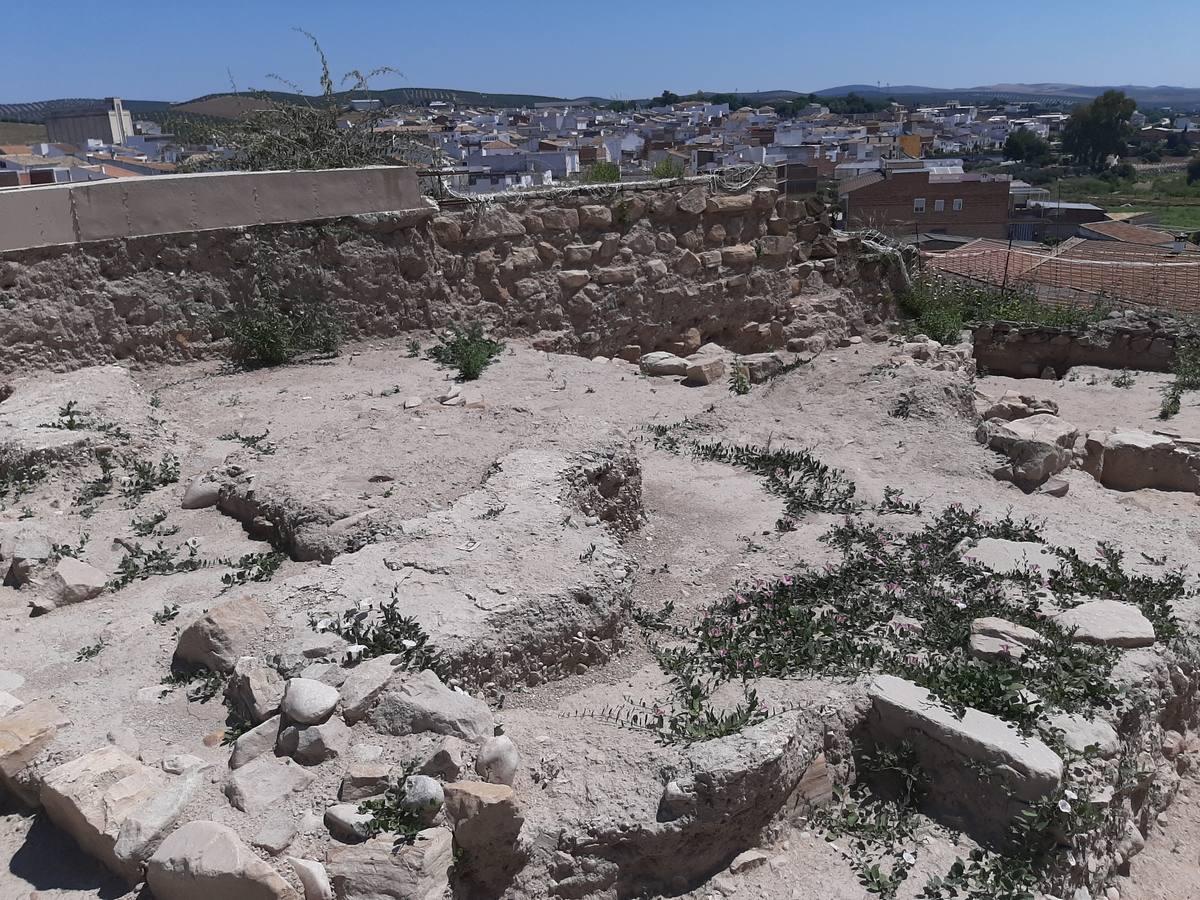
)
(729, 204)
(662, 363)
(376, 870)
(573, 279)
(688, 263)
(314, 744)
(346, 823)
(760, 367)
(23, 552)
(201, 493)
(92, 796)
(264, 782)
(1079, 733)
(1109, 623)
(1006, 556)
(8, 703)
(693, 202)
(739, 256)
(446, 762)
(364, 779)
(254, 743)
(308, 702)
(424, 796)
(144, 829)
(1015, 405)
(749, 860)
(1023, 769)
(1133, 460)
(487, 821)
(493, 224)
(498, 760)
(312, 877)
(705, 369)
(277, 833)
(74, 581)
(24, 734)
(364, 684)
(1037, 447)
(254, 689)
(996, 638)
(222, 635)
(420, 702)
(595, 217)
(204, 861)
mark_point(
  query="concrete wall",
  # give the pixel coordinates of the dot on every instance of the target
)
(171, 204)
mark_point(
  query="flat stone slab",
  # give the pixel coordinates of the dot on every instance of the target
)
(996, 638)
(1021, 769)
(1109, 623)
(1005, 556)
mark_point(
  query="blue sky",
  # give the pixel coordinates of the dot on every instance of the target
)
(176, 50)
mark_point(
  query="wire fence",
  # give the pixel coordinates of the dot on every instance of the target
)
(1081, 272)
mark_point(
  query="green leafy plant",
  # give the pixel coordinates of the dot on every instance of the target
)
(805, 483)
(656, 620)
(739, 379)
(1123, 380)
(390, 812)
(894, 502)
(140, 563)
(91, 651)
(166, 614)
(382, 630)
(256, 442)
(75, 551)
(942, 306)
(151, 526)
(145, 477)
(414, 348)
(254, 567)
(466, 349)
(19, 474)
(904, 406)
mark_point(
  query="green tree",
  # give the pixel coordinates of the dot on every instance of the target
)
(602, 173)
(666, 98)
(666, 168)
(1193, 171)
(1099, 129)
(1025, 146)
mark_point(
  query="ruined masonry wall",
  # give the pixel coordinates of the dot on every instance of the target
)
(1130, 341)
(752, 271)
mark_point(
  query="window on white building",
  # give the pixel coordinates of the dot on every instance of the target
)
(919, 205)
(958, 206)
(939, 205)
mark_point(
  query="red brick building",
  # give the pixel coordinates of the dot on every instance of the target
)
(914, 202)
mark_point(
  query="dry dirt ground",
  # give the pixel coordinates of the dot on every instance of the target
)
(344, 440)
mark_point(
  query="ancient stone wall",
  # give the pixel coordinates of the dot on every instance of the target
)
(751, 271)
(1129, 341)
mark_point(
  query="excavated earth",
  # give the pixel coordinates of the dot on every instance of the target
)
(526, 533)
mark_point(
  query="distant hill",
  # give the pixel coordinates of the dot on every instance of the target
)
(227, 105)
(1161, 95)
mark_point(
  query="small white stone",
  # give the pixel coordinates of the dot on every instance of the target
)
(308, 702)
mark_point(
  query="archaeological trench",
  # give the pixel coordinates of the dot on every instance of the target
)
(715, 584)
